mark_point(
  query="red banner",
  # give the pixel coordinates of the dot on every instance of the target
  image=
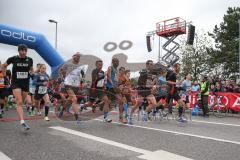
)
(230, 100)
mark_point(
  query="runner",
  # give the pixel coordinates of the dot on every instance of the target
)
(41, 80)
(160, 92)
(173, 94)
(74, 75)
(125, 90)
(21, 70)
(30, 97)
(145, 82)
(112, 86)
(187, 87)
(97, 95)
(3, 84)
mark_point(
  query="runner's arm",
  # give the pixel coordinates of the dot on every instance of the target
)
(4, 66)
(109, 74)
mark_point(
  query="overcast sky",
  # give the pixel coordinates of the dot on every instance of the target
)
(86, 25)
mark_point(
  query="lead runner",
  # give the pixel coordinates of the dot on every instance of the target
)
(21, 70)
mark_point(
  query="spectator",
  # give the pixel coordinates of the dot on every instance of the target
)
(195, 87)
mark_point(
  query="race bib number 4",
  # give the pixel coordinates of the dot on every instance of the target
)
(42, 90)
(22, 75)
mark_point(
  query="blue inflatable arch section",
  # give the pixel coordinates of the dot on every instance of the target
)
(15, 36)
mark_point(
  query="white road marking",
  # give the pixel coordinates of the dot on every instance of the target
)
(3, 156)
(218, 123)
(179, 133)
(147, 155)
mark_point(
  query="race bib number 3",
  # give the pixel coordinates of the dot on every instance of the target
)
(42, 90)
(22, 75)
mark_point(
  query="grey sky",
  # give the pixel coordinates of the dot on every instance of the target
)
(86, 25)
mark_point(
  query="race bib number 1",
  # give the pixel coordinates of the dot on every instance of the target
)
(22, 75)
(42, 90)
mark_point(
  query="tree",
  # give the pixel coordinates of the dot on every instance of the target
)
(225, 53)
(195, 59)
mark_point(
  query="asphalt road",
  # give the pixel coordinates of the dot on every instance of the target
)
(199, 139)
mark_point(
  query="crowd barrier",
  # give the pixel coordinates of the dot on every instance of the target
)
(230, 100)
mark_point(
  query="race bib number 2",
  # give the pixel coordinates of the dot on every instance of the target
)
(22, 75)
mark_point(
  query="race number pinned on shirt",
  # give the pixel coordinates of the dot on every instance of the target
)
(72, 80)
(184, 97)
(1, 81)
(22, 75)
(100, 83)
(42, 90)
(32, 90)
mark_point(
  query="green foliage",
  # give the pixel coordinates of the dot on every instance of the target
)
(195, 59)
(226, 36)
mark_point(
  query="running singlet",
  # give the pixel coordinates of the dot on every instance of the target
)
(20, 69)
(186, 85)
(74, 77)
(171, 76)
(98, 79)
(39, 79)
(113, 78)
(163, 88)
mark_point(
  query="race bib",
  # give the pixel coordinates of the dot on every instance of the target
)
(100, 83)
(22, 75)
(73, 80)
(32, 90)
(2, 81)
(42, 90)
(184, 97)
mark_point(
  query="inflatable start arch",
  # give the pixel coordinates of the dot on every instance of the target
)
(14, 36)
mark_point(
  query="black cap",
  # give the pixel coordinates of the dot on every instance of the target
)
(22, 47)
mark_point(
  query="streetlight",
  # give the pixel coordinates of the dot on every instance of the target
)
(239, 48)
(53, 21)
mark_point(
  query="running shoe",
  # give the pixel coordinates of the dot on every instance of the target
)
(120, 120)
(130, 121)
(25, 126)
(78, 122)
(181, 119)
(145, 117)
(94, 108)
(46, 118)
(60, 114)
(107, 120)
(30, 114)
(39, 113)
